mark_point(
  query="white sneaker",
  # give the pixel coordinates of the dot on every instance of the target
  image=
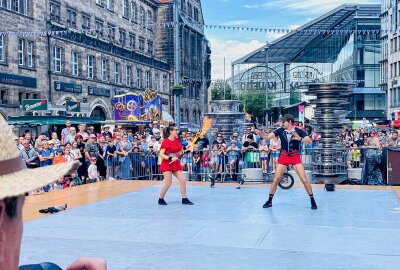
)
(111, 179)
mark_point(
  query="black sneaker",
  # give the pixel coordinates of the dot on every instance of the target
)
(267, 204)
(162, 202)
(314, 207)
(186, 201)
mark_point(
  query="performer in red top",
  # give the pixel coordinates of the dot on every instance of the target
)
(290, 137)
(171, 148)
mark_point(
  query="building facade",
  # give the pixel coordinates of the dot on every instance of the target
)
(101, 48)
(390, 62)
(193, 58)
(342, 45)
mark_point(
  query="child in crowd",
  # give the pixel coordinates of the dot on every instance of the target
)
(92, 171)
(264, 149)
(111, 159)
(75, 180)
(205, 162)
(59, 158)
(214, 162)
(196, 162)
(355, 155)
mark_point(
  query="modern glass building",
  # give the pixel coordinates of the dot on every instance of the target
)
(343, 45)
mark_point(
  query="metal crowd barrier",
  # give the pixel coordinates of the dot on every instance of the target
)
(223, 167)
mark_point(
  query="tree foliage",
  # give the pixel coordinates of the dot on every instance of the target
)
(222, 91)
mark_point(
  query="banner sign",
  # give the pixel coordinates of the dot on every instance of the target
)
(34, 105)
(18, 80)
(72, 106)
(138, 107)
(67, 87)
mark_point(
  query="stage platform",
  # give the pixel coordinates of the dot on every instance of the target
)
(225, 229)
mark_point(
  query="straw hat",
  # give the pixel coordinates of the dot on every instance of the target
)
(15, 178)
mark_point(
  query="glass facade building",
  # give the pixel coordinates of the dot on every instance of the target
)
(343, 45)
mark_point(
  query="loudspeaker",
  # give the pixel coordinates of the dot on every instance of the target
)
(393, 166)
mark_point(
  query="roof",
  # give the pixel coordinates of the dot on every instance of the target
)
(28, 120)
(368, 90)
(290, 47)
(366, 114)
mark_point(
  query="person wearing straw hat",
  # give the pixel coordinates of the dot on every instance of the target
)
(15, 181)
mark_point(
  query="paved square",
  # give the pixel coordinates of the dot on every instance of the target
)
(225, 229)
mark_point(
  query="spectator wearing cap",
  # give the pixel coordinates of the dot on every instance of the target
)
(59, 158)
(106, 131)
(157, 133)
(91, 149)
(154, 127)
(92, 170)
(52, 145)
(235, 137)
(90, 130)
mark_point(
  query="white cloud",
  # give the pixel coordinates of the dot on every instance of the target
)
(309, 6)
(231, 50)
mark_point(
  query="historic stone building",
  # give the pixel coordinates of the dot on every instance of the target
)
(194, 55)
(115, 54)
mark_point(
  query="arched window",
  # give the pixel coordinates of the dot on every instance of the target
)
(183, 5)
(187, 116)
(196, 14)
(134, 12)
(142, 16)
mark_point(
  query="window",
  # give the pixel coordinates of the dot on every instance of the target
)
(117, 72)
(71, 18)
(74, 63)
(55, 12)
(21, 48)
(165, 82)
(148, 74)
(196, 14)
(156, 80)
(85, 21)
(149, 19)
(110, 4)
(99, 27)
(57, 59)
(142, 17)
(104, 69)
(141, 44)
(122, 37)
(90, 66)
(139, 78)
(134, 12)
(100, 2)
(150, 47)
(20, 6)
(128, 75)
(2, 56)
(111, 32)
(29, 53)
(126, 9)
(132, 41)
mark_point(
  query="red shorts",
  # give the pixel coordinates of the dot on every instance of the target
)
(289, 160)
(173, 167)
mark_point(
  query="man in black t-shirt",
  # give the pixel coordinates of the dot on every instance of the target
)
(290, 137)
(203, 143)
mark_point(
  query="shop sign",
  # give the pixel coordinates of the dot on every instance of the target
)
(34, 105)
(72, 106)
(95, 91)
(18, 80)
(68, 87)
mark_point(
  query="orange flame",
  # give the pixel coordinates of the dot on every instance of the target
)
(207, 124)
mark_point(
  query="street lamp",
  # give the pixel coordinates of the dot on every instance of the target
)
(266, 82)
(355, 113)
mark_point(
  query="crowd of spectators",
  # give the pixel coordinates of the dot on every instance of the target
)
(125, 154)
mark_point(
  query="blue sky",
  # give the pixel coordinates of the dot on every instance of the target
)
(263, 13)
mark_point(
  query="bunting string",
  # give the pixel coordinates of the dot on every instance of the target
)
(201, 27)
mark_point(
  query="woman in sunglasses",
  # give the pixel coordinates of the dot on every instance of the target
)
(171, 150)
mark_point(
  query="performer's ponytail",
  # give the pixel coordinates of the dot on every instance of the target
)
(167, 130)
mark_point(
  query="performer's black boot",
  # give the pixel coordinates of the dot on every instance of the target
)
(313, 203)
(212, 182)
(186, 201)
(269, 202)
(162, 202)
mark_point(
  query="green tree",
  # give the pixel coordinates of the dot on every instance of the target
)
(255, 103)
(222, 91)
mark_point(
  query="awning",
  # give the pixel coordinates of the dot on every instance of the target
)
(368, 90)
(295, 105)
(28, 120)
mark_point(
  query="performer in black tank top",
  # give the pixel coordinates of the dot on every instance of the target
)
(291, 138)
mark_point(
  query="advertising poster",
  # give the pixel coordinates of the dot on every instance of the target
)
(138, 107)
